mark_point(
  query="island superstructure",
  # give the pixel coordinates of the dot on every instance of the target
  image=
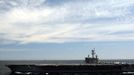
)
(92, 60)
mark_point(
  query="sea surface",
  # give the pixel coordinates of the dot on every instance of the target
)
(4, 70)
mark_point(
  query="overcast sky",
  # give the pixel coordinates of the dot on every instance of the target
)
(66, 29)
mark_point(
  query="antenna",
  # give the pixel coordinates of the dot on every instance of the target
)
(93, 53)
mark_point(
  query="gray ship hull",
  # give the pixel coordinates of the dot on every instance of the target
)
(82, 69)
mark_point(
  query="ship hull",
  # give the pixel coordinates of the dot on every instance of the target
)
(73, 69)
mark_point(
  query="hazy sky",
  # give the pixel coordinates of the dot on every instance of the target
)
(66, 29)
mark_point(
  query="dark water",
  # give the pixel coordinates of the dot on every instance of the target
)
(6, 71)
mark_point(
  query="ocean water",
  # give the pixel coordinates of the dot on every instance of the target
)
(4, 70)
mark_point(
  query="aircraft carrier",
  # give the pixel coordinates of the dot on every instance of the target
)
(91, 66)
